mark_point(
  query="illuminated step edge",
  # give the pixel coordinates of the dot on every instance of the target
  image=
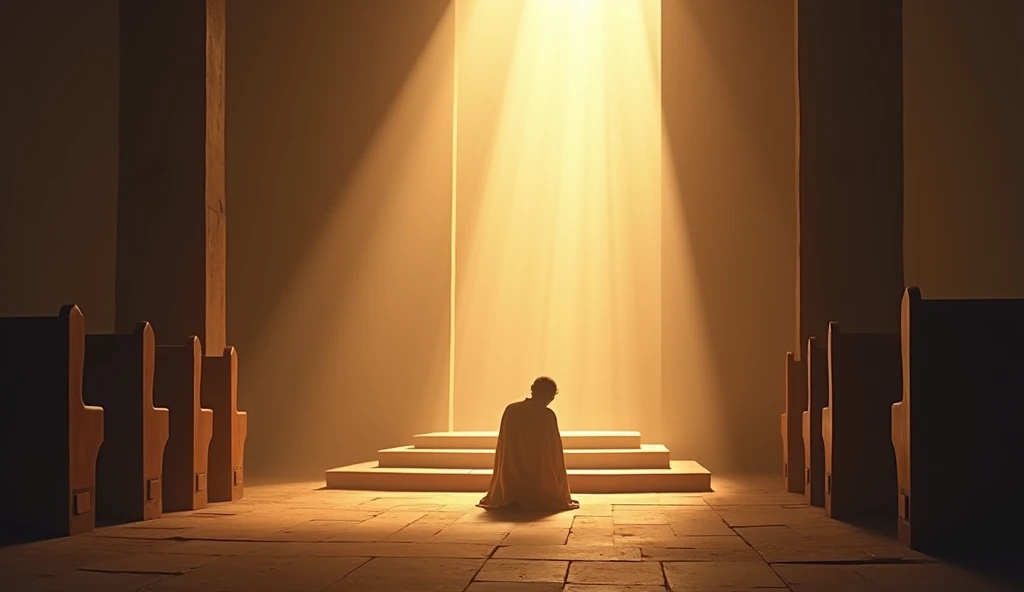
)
(683, 476)
(590, 439)
(647, 456)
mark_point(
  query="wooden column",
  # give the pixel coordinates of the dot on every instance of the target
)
(850, 159)
(171, 221)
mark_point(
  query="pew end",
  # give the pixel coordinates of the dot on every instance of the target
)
(50, 437)
(795, 405)
(177, 386)
(119, 375)
(227, 448)
(958, 438)
(815, 361)
(864, 380)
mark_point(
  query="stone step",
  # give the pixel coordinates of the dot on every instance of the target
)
(681, 476)
(646, 456)
(571, 440)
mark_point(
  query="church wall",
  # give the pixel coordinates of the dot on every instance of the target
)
(729, 223)
(963, 124)
(58, 158)
(338, 198)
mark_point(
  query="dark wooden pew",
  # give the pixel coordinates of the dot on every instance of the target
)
(49, 438)
(864, 380)
(816, 361)
(957, 432)
(177, 386)
(119, 378)
(230, 426)
(792, 424)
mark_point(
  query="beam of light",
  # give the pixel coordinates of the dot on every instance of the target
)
(558, 241)
(364, 361)
(454, 225)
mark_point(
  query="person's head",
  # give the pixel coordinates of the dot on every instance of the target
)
(543, 390)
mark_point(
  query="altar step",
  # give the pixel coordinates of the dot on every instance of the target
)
(597, 462)
(681, 476)
(571, 440)
(646, 456)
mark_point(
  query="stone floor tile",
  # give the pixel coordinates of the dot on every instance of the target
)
(377, 549)
(378, 528)
(611, 588)
(705, 554)
(781, 544)
(608, 572)
(590, 540)
(641, 516)
(90, 581)
(835, 578)
(155, 563)
(569, 553)
(536, 535)
(514, 587)
(931, 577)
(219, 548)
(710, 525)
(464, 533)
(387, 503)
(262, 574)
(426, 527)
(592, 531)
(720, 577)
(313, 531)
(655, 535)
(409, 575)
(523, 570)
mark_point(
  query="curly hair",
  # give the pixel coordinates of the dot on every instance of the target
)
(543, 384)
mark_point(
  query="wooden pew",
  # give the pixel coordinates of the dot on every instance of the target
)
(177, 386)
(230, 426)
(49, 438)
(864, 380)
(792, 424)
(816, 362)
(119, 378)
(957, 432)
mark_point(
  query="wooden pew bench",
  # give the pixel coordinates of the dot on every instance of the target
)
(119, 378)
(958, 432)
(177, 386)
(792, 424)
(230, 426)
(816, 361)
(48, 437)
(864, 380)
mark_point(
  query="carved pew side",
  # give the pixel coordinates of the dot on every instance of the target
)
(814, 448)
(230, 426)
(792, 424)
(177, 386)
(119, 378)
(957, 433)
(49, 438)
(864, 380)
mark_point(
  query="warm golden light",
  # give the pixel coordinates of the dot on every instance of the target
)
(558, 237)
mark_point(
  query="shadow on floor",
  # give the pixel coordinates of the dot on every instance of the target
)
(517, 514)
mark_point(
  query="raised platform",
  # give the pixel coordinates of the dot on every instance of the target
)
(647, 456)
(571, 440)
(597, 462)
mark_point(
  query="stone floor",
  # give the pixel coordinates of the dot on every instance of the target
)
(748, 535)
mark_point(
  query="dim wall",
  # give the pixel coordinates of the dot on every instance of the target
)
(729, 216)
(58, 158)
(963, 123)
(338, 186)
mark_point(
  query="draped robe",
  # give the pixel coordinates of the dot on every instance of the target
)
(529, 463)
